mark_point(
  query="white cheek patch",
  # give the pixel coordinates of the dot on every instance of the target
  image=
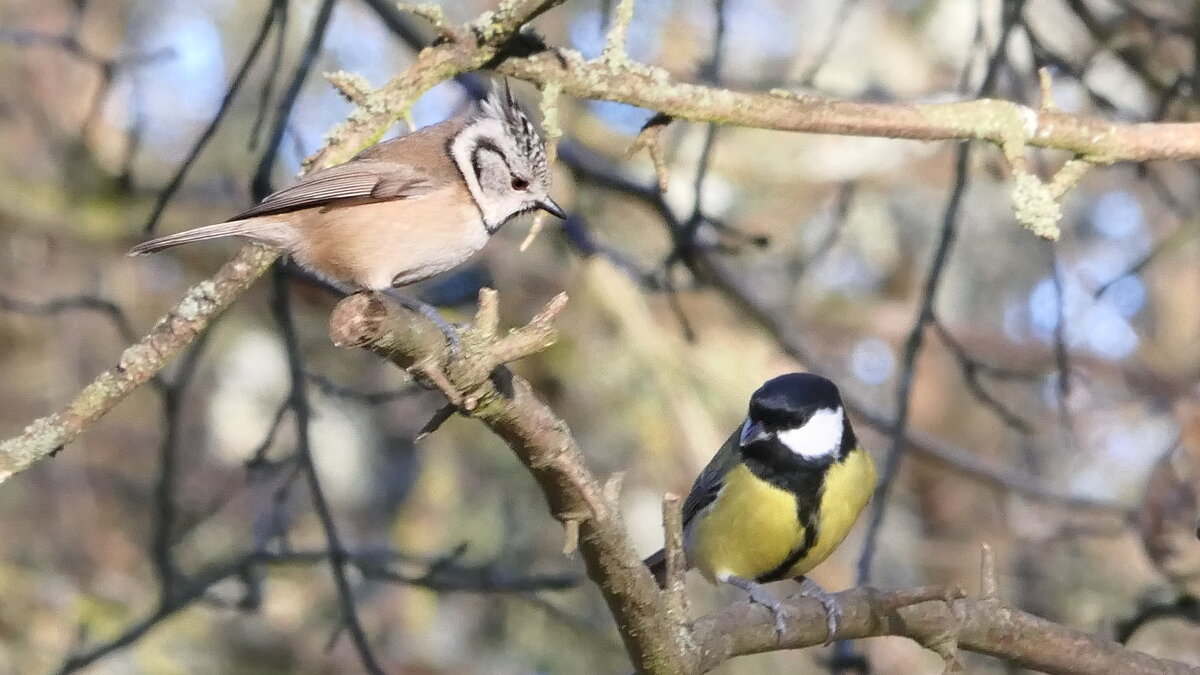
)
(821, 435)
(461, 148)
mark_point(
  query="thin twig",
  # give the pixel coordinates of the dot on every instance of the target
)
(676, 565)
(300, 408)
(280, 7)
(260, 185)
(912, 348)
(168, 192)
(487, 578)
(831, 37)
(166, 511)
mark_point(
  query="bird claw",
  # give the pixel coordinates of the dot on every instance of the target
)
(453, 341)
(761, 596)
(833, 618)
(833, 611)
(781, 619)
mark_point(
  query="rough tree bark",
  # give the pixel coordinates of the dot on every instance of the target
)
(657, 634)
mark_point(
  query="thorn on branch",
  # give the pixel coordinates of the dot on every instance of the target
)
(570, 532)
(447, 31)
(439, 418)
(614, 54)
(1045, 85)
(487, 315)
(431, 376)
(987, 573)
(352, 86)
(414, 343)
(650, 139)
(676, 565)
(519, 343)
(612, 487)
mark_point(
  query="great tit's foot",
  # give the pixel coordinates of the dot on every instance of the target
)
(761, 596)
(833, 611)
(429, 312)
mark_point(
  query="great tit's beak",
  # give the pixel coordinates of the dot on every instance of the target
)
(553, 209)
(751, 432)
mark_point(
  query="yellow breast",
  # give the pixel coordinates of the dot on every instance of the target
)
(752, 526)
(747, 531)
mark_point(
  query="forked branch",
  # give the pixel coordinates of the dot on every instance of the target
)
(491, 393)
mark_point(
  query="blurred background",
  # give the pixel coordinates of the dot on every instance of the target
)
(1046, 385)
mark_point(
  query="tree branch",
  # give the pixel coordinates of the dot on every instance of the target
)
(507, 405)
(455, 54)
(208, 298)
(138, 363)
(657, 639)
(1007, 124)
(984, 626)
(1001, 122)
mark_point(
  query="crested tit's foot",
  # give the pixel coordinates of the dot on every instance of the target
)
(429, 312)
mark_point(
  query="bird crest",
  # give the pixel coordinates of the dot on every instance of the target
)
(502, 107)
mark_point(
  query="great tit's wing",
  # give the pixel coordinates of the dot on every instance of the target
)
(354, 180)
(710, 481)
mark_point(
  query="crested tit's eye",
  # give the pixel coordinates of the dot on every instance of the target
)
(520, 184)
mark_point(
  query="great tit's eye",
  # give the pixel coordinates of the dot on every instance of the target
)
(520, 184)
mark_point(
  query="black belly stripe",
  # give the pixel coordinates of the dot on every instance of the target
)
(808, 516)
(772, 462)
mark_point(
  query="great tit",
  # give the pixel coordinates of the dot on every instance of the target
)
(779, 496)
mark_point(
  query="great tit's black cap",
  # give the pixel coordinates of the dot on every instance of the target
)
(788, 400)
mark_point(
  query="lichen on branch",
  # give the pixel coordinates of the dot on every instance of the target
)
(489, 392)
(202, 303)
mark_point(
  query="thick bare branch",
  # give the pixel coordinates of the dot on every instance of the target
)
(543, 443)
(937, 617)
(986, 626)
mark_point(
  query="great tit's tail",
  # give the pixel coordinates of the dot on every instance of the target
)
(657, 562)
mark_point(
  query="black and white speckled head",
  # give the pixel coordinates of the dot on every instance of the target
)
(502, 158)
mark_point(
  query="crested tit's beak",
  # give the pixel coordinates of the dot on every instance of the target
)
(751, 432)
(553, 209)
